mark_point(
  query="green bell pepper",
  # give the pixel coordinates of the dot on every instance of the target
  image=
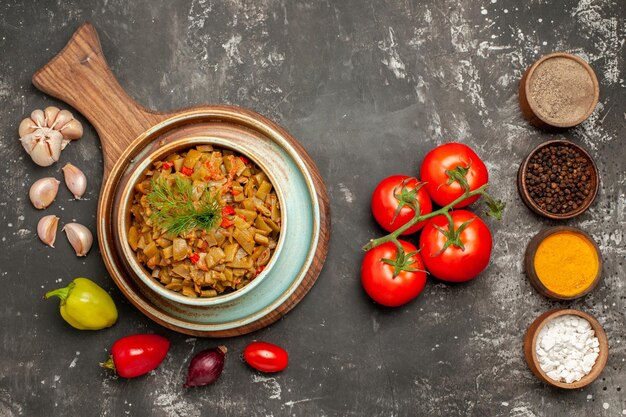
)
(85, 305)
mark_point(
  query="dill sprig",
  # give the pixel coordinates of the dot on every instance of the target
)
(174, 210)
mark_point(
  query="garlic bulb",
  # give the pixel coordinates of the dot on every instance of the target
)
(47, 229)
(44, 147)
(79, 237)
(46, 132)
(75, 180)
(43, 192)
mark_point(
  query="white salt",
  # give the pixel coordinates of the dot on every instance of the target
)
(567, 348)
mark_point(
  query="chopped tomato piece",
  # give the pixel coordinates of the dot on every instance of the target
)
(167, 165)
(186, 171)
(227, 211)
(194, 258)
(226, 223)
(245, 160)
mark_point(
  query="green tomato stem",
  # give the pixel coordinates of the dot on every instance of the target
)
(393, 237)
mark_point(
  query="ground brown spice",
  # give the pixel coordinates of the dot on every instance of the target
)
(561, 90)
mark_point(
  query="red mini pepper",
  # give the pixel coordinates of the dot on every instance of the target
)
(137, 354)
(186, 171)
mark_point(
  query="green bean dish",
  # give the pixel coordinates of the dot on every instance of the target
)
(205, 222)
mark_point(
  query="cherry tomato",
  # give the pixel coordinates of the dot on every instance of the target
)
(385, 203)
(378, 279)
(137, 354)
(448, 157)
(456, 264)
(266, 357)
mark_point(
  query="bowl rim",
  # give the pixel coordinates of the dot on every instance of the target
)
(129, 255)
(530, 352)
(530, 203)
(529, 262)
(532, 104)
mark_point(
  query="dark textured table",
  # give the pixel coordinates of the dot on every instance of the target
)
(367, 87)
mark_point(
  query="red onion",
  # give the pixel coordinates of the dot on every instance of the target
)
(206, 367)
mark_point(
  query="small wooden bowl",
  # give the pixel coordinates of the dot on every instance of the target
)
(530, 341)
(525, 195)
(529, 107)
(529, 262)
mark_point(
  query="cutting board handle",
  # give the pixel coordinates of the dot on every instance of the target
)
(80, 76)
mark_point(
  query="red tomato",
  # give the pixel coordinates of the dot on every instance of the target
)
(378, 280)
(266, 357)
(385, 204)
(137, 354)
(456, 264)
(446, 158)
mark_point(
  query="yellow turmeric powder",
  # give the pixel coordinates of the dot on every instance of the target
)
(566, 263)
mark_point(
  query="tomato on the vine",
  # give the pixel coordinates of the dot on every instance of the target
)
(391, 278)
(446, 166)
(392, 200)
(458, 255)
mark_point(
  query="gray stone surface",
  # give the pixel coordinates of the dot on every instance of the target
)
(367, 87)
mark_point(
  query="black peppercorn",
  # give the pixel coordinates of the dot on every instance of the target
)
(558, 178)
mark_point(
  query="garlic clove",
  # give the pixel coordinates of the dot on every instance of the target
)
(72, 130)
(75, 180)
(50, 114)
(79, 237)
(44, 147)
(38, 117)
(27, 126)
(47, 229)
(43, 192)
(63, 118)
